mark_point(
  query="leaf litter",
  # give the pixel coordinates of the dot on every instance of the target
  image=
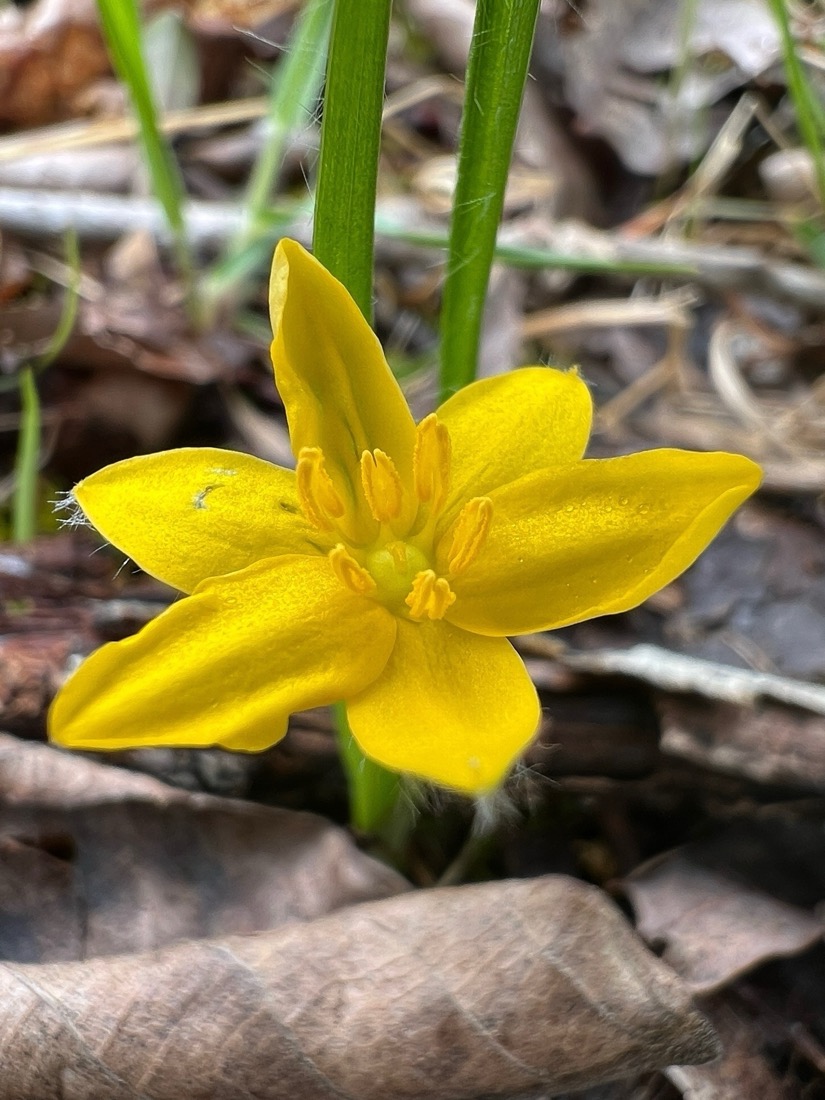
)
(701, 812)
(436, 995)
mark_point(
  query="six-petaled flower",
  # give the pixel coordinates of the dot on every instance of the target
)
(388, 569)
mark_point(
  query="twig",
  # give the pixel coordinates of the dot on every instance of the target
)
(105, 217)
(676, 672)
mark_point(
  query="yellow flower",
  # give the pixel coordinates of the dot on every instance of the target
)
(387, 569)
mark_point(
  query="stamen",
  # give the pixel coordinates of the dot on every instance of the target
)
(429, 597)
(319, 498)
(350, 573)
(431, 461)
(469, 534)
(382, 485)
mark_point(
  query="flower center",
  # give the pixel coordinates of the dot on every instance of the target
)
(396, 569)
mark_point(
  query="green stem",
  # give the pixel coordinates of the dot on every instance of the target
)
(496, 73)
(343, 235)
(373, 791)
(350, 142)
(24, 509)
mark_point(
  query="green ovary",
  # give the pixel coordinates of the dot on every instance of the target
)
(393, 567)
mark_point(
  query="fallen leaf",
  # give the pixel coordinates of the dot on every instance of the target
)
(714, 924)
(742, 1071)
(96, 860)
(763, 584)
(49, 52)
(494, 990)
(612, 62)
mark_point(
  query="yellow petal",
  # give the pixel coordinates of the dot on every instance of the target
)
(337, 389)
(504, 427)
(448, 707)
(227, 665)
(197, 512)
(595, 538)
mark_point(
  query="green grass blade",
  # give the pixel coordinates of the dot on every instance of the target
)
(810, 115)
(68, 315)
(24, 505)
(293, 98)
(121, 28)
(27, 460)
(496, 72)
(294, 92)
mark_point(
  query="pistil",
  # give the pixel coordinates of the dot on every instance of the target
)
(397, 569)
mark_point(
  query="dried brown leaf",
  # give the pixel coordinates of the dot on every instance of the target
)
(228, 17)
(95, 860)
(494, 990)
(715, 928)
(49, 52)
(52, 53)
(742, 1071)
(611, 64)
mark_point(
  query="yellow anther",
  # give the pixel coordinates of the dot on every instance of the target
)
(382, 486)
(430, 596)
(469, 533)
(319, 498)
(431, 461)
(350, 573)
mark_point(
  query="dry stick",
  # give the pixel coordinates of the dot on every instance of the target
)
(676, 672)
(105, 217)
(81, 135)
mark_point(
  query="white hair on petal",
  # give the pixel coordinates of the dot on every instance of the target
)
(68, 502)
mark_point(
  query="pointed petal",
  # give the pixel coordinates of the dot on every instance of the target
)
(197, 512)
(595, 538)
(449, 706)
(505, 427)
(338, 391)
(227, 665)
